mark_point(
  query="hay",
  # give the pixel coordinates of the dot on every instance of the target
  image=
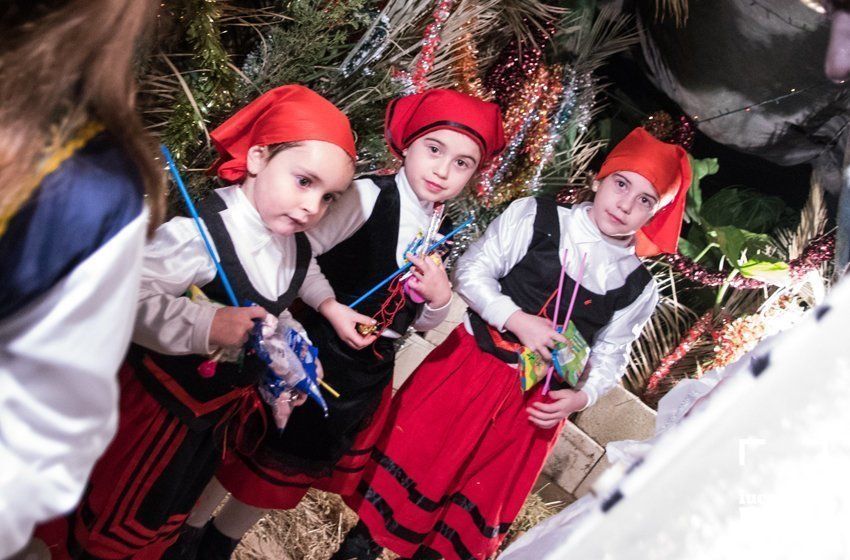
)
(535, 510)
(311, 531)
(314, 530)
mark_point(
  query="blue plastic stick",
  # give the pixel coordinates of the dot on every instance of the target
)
(451, 234)
(191, 206)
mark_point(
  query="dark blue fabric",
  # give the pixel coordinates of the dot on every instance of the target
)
(76, 210)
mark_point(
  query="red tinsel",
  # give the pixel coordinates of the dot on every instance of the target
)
(425, 60)
(661, 125)
(693, 335)
(518, 62)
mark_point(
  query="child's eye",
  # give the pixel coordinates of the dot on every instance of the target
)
(303, 181)
(434, 149)
(646, 201)
(621, 184)
(462, 163)
(329, 197)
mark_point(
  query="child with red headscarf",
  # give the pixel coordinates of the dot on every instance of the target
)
(464, 444)
(287, 156)
(443, 137)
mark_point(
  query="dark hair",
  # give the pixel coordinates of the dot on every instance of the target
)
(63, 63)
(275, 149)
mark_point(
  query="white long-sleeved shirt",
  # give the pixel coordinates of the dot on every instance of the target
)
(506, 242)
(176, 258)
(353, 209)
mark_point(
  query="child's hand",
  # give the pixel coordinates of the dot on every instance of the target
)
(565, 402)
(232, 325)
(344, 321)
(430, 280)
(535, 333)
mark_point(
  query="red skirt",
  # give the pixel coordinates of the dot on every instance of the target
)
(457, 459)
(143, 487)
(262, 487)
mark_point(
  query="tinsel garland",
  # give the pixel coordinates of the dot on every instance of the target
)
(417, 80)
(518, 62)
(370, 47)
(817, 253)
(736, 338)
(518, 121)
(661, 125)
(697, 330)
(732, 337)
(573, 107)
(466, 68)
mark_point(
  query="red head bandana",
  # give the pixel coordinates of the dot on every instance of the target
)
(285, 114)
(411, 117)
(664, 165)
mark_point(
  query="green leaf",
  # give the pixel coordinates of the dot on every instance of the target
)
(744, 208)
(688, 249)
(734, 242)
(704, 167)
(701, 168)
(771, 272)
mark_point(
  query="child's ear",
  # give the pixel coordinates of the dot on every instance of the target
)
(404, 152)
(594, 186)
(256, 160)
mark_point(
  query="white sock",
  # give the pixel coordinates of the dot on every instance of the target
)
(236, 518)
(210, 499)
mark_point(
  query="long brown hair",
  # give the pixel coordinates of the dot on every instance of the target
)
(63, 63)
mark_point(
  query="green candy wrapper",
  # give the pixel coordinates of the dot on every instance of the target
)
(568, 358)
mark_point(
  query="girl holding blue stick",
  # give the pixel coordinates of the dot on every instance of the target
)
(287, 156)
(443, 137)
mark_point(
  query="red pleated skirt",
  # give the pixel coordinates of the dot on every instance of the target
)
(252, 483)
(142, 488)
(457, 458)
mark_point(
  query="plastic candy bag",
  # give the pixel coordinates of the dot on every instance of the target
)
(292, 365)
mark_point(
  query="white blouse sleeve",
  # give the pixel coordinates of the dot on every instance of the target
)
(609, 353)
(430, 317)
(491, 257)
(58, 387)
(167, 321)
(315, 289)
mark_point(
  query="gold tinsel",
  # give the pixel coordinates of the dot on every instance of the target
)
(467, 79)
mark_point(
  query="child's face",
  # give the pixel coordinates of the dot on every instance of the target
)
(439, 164)
(293, 189)
(625, 201)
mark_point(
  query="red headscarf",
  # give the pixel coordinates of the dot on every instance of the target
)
(411, 117)
(285, 114)
(664, 165)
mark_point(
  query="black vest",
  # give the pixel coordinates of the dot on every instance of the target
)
(534, 278)
(174, 380)
(367, 257)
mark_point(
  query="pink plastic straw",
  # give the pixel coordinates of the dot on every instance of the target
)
(569, 309)
(560, 290)
(557, 310)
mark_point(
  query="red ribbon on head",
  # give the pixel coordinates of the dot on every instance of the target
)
(290, 113)
(668, 168)
(413, 116)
